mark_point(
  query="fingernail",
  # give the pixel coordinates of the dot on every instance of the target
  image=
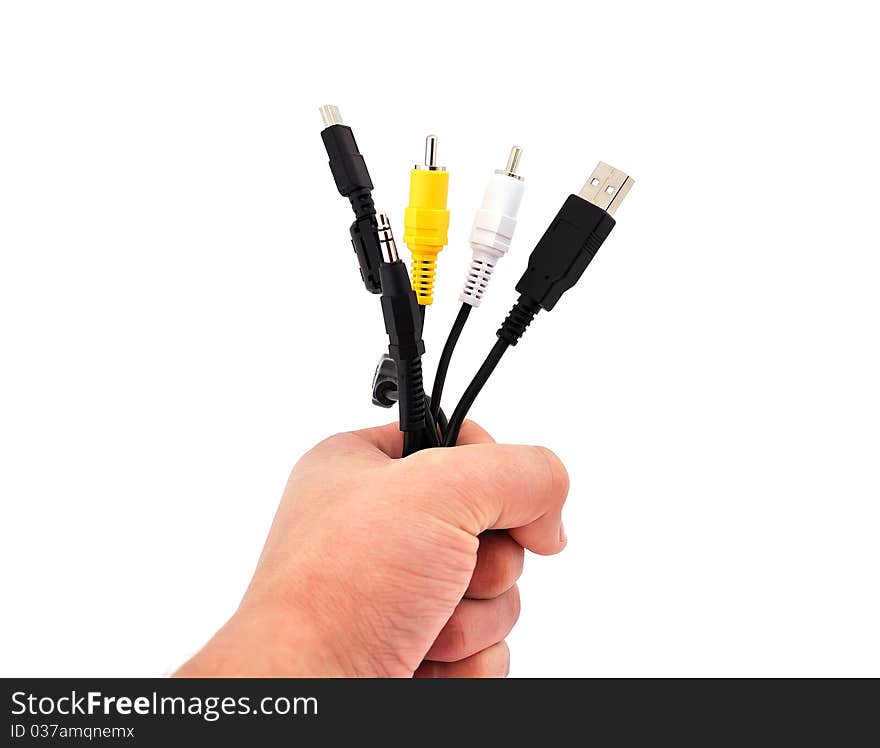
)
(562, 537)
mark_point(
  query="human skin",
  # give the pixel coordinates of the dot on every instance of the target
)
(384, 567)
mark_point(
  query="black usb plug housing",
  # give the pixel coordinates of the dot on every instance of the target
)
(556, 263)
(567, 247)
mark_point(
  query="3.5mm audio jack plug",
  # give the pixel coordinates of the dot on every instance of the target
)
(403, 323)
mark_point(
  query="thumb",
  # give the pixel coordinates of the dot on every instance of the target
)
(496, 486)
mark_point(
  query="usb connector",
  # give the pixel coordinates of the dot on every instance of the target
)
(568, 246)
(606, 187)
(557, 262)
(330, 115)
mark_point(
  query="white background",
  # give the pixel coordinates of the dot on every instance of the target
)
(181, 315)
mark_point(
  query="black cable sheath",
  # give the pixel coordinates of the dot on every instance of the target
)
(446, 357)
(431, 426)
(511, 330)
(439, 423)
(411, 403)
(409, 443)
(416, 441)
(419, 431)
(473, 389)
(442, 422)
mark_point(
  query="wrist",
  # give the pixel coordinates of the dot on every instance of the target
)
(265, 640)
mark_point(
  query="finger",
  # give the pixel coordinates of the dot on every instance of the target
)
(496, 486)
(492, 662)
(473, 433)
(499, 565)
(377, 443)
(388, 439)
(475, 625)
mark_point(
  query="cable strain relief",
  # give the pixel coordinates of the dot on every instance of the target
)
(411, 394)
(518, 319)
(424, 267)
(362, 202)
(479, 274)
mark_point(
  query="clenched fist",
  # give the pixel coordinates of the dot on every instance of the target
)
(376, 566)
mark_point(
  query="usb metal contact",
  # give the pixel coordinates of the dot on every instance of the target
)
(606, 187)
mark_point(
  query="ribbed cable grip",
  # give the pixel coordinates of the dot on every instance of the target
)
(519, 318)
(477, 279)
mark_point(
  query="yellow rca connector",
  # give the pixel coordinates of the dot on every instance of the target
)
(426, 220)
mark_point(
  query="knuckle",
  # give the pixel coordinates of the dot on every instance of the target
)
(497, 578)
(478, 431)
(448, 486)
(500, 565)
(452, 642)
(509, 565)
(335, 441)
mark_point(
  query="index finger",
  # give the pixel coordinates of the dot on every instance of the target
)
(473, 433)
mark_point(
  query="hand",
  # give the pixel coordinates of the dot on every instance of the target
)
(394, 567)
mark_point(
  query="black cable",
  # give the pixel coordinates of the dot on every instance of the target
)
(411, 395)
(435, 437)
(446, 357)
(426, 438)
(403, 324)
(438, 423)
(442, 423)
(473, 389)
(411, 442)
(403, 316)
(385, 395)
(416, 406)
(556, 264)
(511, 330)
(416, 441)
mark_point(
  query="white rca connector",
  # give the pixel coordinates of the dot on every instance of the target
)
(493, 227)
